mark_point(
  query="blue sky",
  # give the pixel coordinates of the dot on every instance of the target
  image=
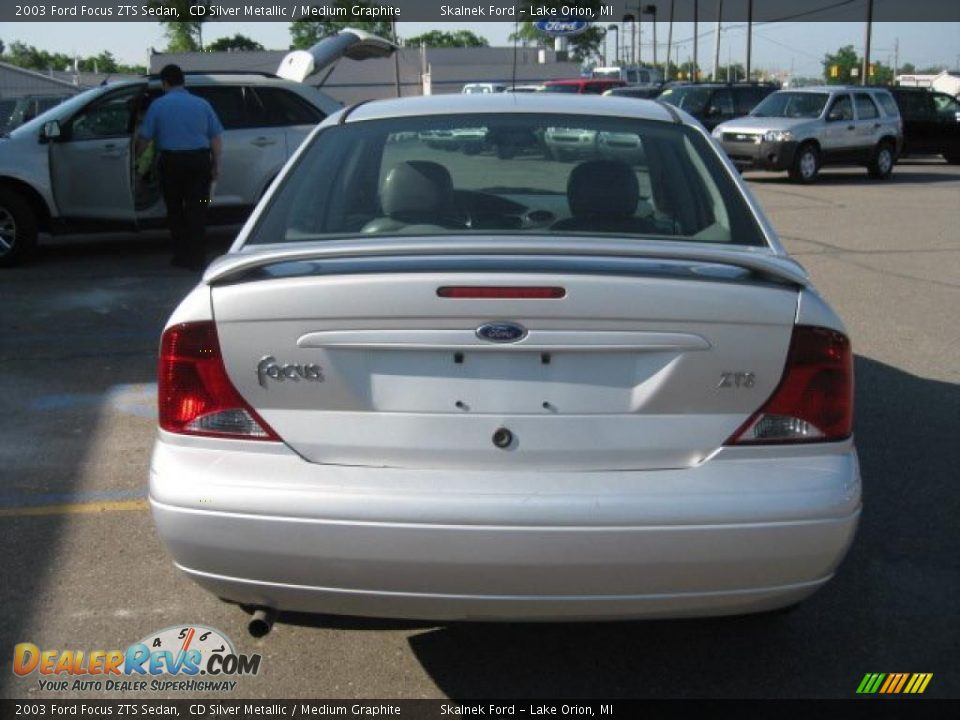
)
(779, 46)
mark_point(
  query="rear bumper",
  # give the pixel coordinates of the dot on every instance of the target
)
(735, 535)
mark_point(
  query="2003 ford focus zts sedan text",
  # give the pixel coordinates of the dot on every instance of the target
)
(443, 384)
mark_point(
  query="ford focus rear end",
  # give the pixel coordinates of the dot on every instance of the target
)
(497, 386)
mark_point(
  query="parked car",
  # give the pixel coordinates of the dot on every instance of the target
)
(931, 122)
(631, 74)
(802, 129)
(429, 385)
(483, 88)
(72, 167)
(714, 103)
(581, 86)
(645, 92)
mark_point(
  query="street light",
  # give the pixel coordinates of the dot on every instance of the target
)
(652, 10)
(616, 42)
(632, 55)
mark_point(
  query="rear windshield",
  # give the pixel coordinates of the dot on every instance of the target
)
(691, 99)
(566, 88)
(509, 174)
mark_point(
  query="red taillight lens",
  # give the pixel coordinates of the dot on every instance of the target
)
(195, 395)
(814, 401)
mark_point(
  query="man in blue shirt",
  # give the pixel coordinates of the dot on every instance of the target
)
(186, 132)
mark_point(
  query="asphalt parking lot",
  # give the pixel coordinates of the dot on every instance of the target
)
(81, 566)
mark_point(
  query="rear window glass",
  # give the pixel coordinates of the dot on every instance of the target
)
(513, 173)
(866, 110)
(888, 104)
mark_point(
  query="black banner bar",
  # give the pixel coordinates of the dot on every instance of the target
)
(872, 708)
(471, 11)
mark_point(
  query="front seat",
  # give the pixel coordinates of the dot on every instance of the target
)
(603, 196)
(416, 192)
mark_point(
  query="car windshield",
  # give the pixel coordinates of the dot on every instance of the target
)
(691, 99)
(509, 173)
(568, 88)
(792, 105)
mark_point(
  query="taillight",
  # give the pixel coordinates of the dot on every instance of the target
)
(195, 395)
(814, 400)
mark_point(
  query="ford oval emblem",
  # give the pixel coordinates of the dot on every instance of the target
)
(563, 27)
(501, 332)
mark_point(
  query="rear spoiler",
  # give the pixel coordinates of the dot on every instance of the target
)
(761, 261)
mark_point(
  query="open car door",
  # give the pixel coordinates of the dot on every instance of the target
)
(298, 65)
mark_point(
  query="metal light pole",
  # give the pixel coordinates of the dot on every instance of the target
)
(749, 35)
(696, 13)
(716, 44)
(652, 10)
(616, 42)
(666, 75)
(864, 75)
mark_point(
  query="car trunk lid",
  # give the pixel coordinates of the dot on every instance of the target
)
(640, 364)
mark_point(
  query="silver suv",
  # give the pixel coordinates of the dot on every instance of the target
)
(72, 167)
(800, 130)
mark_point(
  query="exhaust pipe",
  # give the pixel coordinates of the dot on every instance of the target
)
(262, 621)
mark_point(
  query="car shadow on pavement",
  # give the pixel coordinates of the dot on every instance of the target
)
(900, 176)
(891, 607)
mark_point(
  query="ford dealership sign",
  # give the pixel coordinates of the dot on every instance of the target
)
(562, 28)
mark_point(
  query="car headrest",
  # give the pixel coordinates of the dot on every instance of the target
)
(417, 187)
(603, 187)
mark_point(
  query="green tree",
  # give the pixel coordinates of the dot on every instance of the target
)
(441, 39)
(31, 58)
(838, 67)
(238, 43)
(183, 35)
(307, 33)
(104, 63)
(734, 71)
(907, 69)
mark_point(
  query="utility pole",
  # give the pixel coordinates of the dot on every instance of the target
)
(696, 12)
(666, 74)
(749, 35)
(716, 44)
(865, 73)
(896, 59)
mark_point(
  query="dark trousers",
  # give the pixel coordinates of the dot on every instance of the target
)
(185, 183)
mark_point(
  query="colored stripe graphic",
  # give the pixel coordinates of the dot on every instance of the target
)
(894, 683)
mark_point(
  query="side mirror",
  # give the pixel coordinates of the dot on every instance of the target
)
(51, 130)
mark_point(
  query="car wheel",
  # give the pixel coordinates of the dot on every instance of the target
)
(806, 164)
(881, 164)
(18, 228)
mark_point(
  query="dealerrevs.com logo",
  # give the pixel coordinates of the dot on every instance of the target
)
(182, 658)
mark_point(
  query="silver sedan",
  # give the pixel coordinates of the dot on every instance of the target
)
(497, 385)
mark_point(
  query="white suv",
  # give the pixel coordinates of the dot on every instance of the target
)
(800, 130)
(72, 168)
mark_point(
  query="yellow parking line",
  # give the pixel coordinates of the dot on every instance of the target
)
(75, 508)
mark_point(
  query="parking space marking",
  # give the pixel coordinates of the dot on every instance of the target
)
(102, 506)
